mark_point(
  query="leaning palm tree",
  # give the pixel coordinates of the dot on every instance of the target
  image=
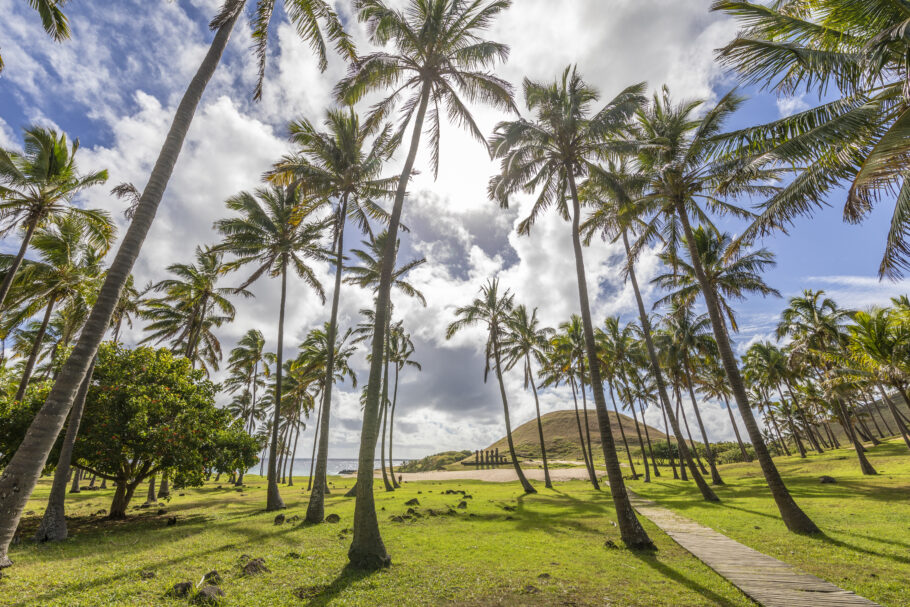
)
(527, 342)
(548, 154)
(53, 20)
(273, 232)
(678, 154)
(22, 473)
(38, 185)
(854, 55)
(438, 55)
(493, 309)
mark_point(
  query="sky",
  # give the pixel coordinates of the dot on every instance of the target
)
(115, 87)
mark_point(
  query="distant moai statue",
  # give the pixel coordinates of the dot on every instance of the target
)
(476, 457)
(498, 460)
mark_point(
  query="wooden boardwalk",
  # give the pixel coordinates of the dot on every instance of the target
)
(762, 578)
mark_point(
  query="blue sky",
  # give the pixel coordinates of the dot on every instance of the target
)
(116, 84)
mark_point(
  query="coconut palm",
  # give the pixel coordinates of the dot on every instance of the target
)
(438, 59)
(191, 305)
(24, 469)
(854, 55)
(527, 341)
(276, 234)
(547, 155)
(492, 309)
(401, 351)
(128, 307)
(617, 197)
(610, 359)
(53, 20)
(38, 185)
(713, 384)
(249, 365)
(677, 153)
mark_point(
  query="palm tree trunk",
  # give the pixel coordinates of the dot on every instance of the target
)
(315, 512)
(641, 442)
(367, 550)
(632, 533)
(19, 477)
(17, 262)
(164, 488)
(36, 349)
(794, 518)
(780, 437)
(392, 427)
(294, 451)
(801, 415)
(622, 431)
(309, 484)
(543, 447)
(897, 418)
(685, 456)
(581, 438)
(53, 523)
(669, 444)
(739, 440)
(796, 438)
(648, 439)
(505, 409)
(273, 497)
(584, 403)
(842, 414)
(682, 413)
(150, 496)
(385, 475)
(709, 452)
(680, 440)
(385, 403)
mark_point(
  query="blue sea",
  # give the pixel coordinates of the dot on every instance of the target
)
(333, 466)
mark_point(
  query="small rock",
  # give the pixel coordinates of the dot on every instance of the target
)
(509, 508)
(412, 502)
(294, 518)
(292, 555)
(510, 518)
(333, 518)
(462, 504)
(469, 497)
(827, 480)
(279, 520)
(212, 577)
(611, 544)
(397, 519)
(255, 566)
(432, 512)
(419, 492)
(181, 494)
(171, 521)
(146, 575)
(209, 595)
(161, 511)
(543, 576)
(180, 589)
(30, 513)
(757, 527)
(218, 487)
(529, 589)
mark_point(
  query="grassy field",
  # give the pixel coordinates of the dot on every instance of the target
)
(482, 555)
(865, 519)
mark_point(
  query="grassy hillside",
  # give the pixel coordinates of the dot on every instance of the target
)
(560, 431)
(437, 461)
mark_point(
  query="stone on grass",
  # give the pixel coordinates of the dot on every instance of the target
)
(180, 589)
(529, 589)
(333, 518)
(209, 595)
(212, 577)
(827, 480)
(255, 567)
(611, 544)
(397, 519)
(543, 576)
(279, 519)
(293, 555)
(462, 504)
(412, 502)
(146, 575)
(161, 511)
(171, 521)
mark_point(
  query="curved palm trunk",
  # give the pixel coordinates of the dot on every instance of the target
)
(367, 550)
(17, 262)
(19, 477)
(36, 349)
(385, 406)
(709, 452)
(780, 437)
(897, 418)
(682, 413)
(641, 442)
(315, 512)
(669, 444)
(581, 439)
(795, 519)
(680, 442)
(622, 431)
(632, 533)
(392, 427)
(543, 447)
(685, 456)
(385, 475)
(273, 497)
(53, 523)
(739, 440)
(294, 451)
(802, 417)
(584, 403)
(844, 417)
(505, 409)
(796, 437)
(309, 484)
(648, 439)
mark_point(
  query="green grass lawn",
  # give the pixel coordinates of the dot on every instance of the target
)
(483, 555)
(865, 519)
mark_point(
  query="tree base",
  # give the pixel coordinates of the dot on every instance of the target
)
(5, 562)
(368, 560)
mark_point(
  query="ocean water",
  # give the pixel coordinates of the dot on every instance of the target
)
(333, 465)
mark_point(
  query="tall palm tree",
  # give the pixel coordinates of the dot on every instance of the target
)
(492, 309)
(438, 58)
(527, 342)
(128, 307)
(610, 359)
(248, 363)
(190, 306)
(677, 153)
(25, 467)
(548, 154)
(713, 384)
(617, 196)
(276, 234)
(39, 185)
(854, 55)
(53, 20)
(401, 351)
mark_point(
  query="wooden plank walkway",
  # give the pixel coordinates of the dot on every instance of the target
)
(762, 578)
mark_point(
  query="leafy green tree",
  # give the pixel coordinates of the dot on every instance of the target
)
(276, 234)
(492, 310)
(439, 58)
(37, 186)
(546, 155)
(853, 54)
(308, 16)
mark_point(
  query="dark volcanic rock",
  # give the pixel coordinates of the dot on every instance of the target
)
(212, 577)
(412, 502)
(181, 589)
(171, 521)
(827, 480)
(279, 519)
(209, 595)
(333, 518)
(255, 566)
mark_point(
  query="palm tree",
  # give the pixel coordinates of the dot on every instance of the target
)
(493, 309)
(618, 199)
(401, 349)
(128, 306)
(677, 153)
(816, 324)
(25, 467)
(438, 54)
(37, 186)
(248, 363)
(525, 341)
(853, 54)
(610, 359)
(274, 232)
(713, 384)
(191, 306)
(53, 20)
(548, 154)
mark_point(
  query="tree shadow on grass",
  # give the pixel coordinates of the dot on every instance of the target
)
(651, 560)
(322, 594)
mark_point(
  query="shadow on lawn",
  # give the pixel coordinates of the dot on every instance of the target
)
(652, 560)
(323, 594)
